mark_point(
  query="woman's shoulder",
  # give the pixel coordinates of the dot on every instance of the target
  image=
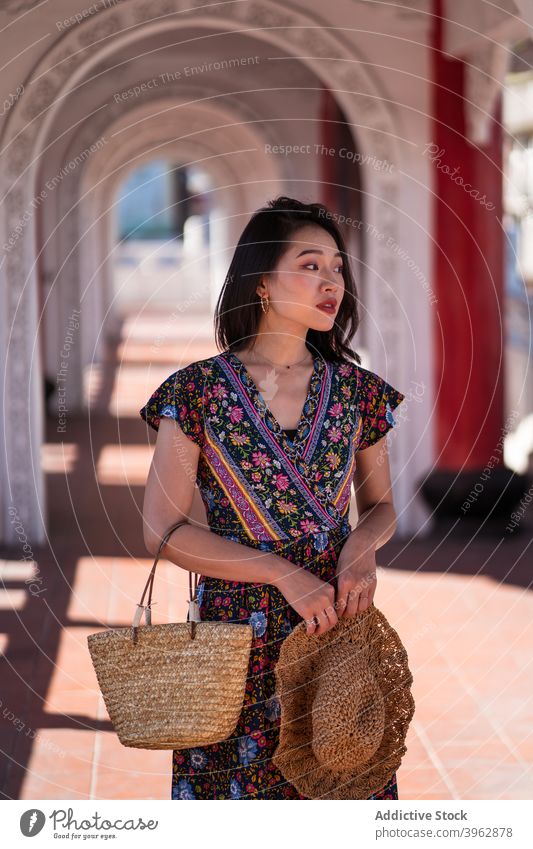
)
(192, 375)
(376, 399)
(181, 396)
(365, 381)
(197, 367)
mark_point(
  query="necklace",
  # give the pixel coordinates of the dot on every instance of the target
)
(277, 365)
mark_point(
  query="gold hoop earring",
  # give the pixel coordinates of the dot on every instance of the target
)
(263, 300)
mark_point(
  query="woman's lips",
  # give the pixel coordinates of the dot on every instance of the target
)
(330, 310)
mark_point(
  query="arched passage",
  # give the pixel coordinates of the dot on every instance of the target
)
(69, 65)
(85, 237)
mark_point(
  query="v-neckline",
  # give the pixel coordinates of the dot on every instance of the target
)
(266, 413)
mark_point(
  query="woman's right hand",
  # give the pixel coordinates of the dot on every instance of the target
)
(310, 597)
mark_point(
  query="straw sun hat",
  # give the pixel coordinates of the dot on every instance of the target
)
(346, 704)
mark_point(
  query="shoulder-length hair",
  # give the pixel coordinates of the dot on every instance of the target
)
(263, 241)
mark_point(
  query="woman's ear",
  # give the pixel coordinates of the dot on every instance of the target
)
(262, 288)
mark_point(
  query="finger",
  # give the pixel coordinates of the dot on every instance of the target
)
(332, 616)
(344, 607)
(323, 621)
(371, 591)
(353, 601)
(311, 626)
(363, 601)
(341, 606)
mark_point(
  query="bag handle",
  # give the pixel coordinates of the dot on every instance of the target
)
(147, 609)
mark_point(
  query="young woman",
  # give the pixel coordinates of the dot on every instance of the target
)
(274, 429)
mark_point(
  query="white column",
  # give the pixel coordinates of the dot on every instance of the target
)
(23, 507)
(219, 257)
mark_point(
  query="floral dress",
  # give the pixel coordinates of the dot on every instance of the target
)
(285, 492)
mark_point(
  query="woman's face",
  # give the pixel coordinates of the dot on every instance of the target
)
(307, 274)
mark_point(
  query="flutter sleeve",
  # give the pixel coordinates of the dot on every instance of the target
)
(377, 400)
(179, 397)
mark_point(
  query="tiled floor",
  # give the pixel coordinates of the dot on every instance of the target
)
(462, 608)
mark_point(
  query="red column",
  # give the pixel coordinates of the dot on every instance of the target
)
(329, 138)
(341, 179)
(468, 263)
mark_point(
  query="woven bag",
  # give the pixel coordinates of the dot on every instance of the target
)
(172, 686)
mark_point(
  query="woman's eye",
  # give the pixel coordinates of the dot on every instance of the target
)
(339, 267)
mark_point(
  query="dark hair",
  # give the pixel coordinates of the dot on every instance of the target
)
(263, 241)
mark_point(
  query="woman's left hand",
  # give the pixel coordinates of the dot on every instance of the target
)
(356, 577)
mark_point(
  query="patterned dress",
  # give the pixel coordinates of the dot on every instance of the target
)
(268, 491)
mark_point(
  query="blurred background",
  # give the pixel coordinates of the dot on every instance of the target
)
(137, 138)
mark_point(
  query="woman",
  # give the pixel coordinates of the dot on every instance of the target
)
(271, 436)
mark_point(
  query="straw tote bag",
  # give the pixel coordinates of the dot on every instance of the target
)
(176, 685)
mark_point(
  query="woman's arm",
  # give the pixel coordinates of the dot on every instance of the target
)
(356, 567)
(168, 498)
(373, 493)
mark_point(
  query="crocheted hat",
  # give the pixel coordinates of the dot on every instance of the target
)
(346, 704)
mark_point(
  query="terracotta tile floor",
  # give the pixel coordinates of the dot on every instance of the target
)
(461, 606)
